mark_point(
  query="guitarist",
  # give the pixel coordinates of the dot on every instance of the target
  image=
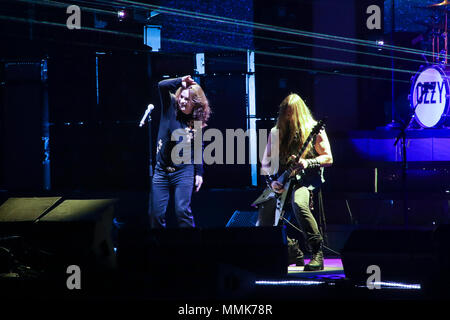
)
(293, 126)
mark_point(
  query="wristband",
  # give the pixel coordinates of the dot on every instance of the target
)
(313, 163)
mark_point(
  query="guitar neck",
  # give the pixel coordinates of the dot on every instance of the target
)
(287, 173)
(302, 150)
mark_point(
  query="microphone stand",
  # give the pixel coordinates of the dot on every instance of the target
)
(148, 118)
(402, 136)
(150, 162)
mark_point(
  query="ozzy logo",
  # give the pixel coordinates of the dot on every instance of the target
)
(425, 92)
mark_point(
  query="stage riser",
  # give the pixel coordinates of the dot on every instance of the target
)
(262, 251)
(370, 211)
(402, 254)
(382, 178)
(425, 145)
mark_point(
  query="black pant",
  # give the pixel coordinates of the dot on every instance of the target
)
(300, 197)
(180, 185)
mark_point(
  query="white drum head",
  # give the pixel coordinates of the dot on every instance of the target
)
(429, 96)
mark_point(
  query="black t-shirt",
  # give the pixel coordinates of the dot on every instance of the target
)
(174, 120)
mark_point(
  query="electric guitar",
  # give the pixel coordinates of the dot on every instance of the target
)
(286, 177)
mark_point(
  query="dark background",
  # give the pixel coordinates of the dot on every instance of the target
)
(96, 146)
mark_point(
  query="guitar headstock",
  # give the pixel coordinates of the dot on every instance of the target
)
(319, 126)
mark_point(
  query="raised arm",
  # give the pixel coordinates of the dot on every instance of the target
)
(165, 87)
(171, 85)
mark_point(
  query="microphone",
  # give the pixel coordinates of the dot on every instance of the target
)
(146, 114)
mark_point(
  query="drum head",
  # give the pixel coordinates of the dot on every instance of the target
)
(429, 96)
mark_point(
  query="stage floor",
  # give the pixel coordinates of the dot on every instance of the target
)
(333, 269)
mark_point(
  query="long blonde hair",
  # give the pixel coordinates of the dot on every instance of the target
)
(293, 129)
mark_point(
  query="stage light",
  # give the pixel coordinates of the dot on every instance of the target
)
(121, 14)
(288, 283)
(396, 285)
(380, 44)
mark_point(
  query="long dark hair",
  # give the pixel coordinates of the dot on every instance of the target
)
(201, 110)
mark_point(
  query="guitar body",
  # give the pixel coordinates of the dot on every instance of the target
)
(269, 194)
(280, 202)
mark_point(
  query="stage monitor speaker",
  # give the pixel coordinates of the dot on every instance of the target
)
(171, 65)
(188, 251)
(226, 62)
(401, 254)
(69, 232)
(441, 241)
(261, 250)
(79, 231)
(25, 209)
(243, 219)
(17, 215)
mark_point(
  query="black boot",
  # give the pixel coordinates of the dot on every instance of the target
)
(316, 262)
(295, 254)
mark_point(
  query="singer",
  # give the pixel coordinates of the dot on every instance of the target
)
(179, 111)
